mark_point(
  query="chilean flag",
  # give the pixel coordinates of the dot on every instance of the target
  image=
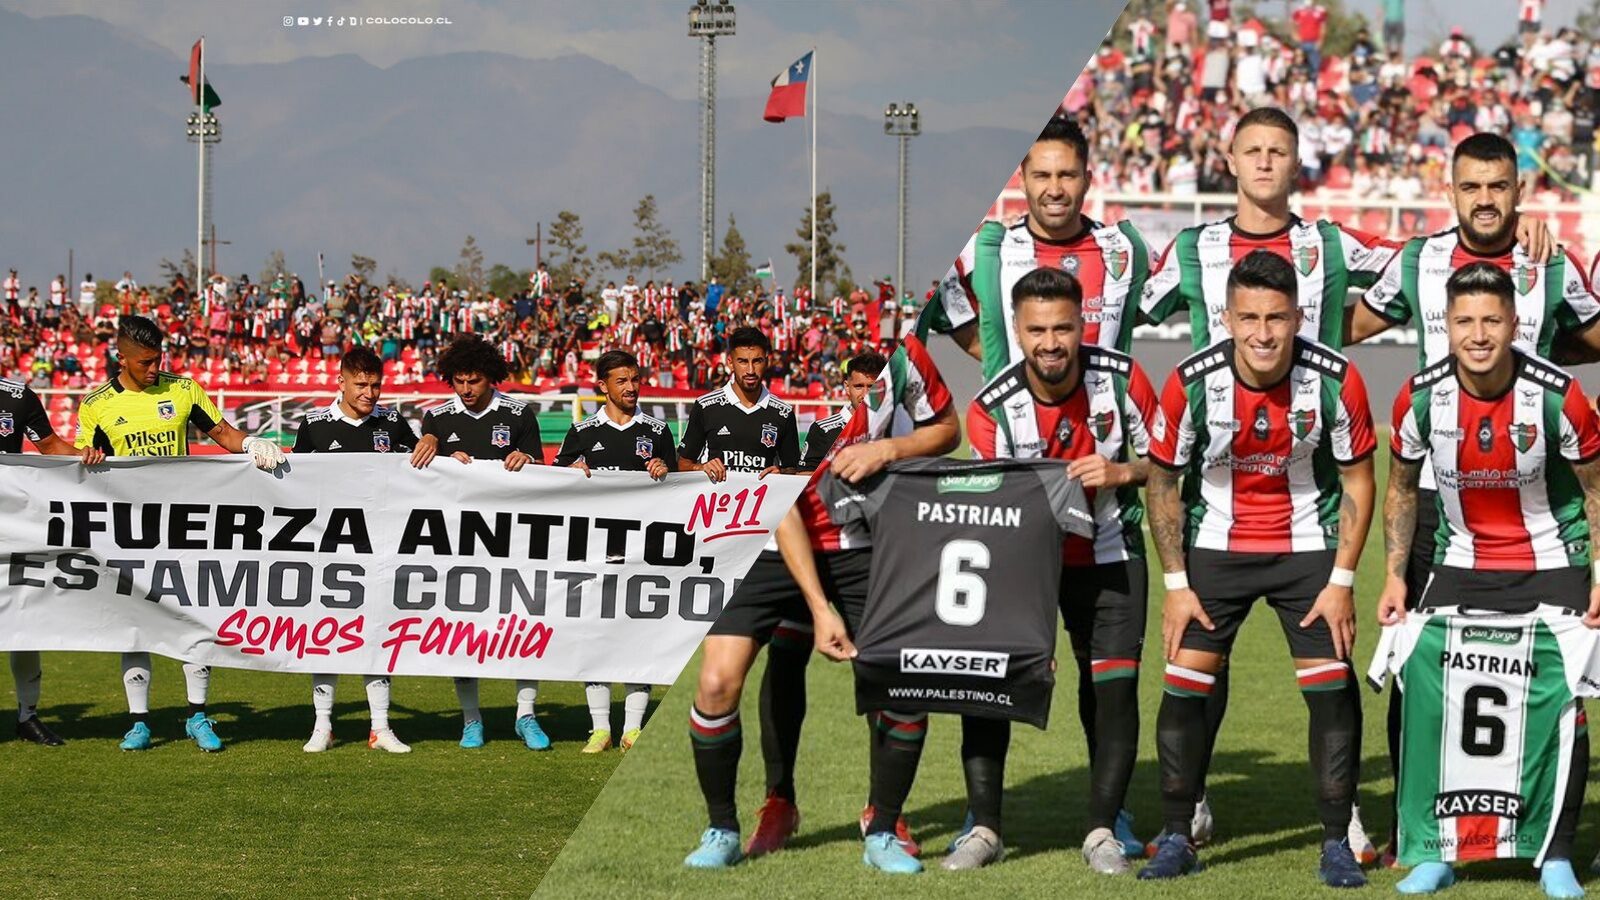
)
(788, 98)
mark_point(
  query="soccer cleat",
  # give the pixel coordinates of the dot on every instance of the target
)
(1390, 857)
(969, 821)
(137, 738)
(203, 731)
(472, 735)
(1122, 828)
(532, 735)
(599, 741)
(902, 832)
(1558, 880)
(719, 849)
(1104, 853)
(1426, 878)
(1360, 845)
(1174, 858)
(776, 822)
(629, 738)
(974, 850)
(386, 740)
(885, 853)
(1203, 825)
(321, 739)
(39, 733)
(1339, 867)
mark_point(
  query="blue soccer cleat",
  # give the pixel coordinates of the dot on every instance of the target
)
(1558, 880)
(472, 735)
(1174, 858)
(137, 738)
(202, 731)
(528, 729)
(1426, 878)
(1339, 867)
(885, 853)
(1132, 847)
(719, 849)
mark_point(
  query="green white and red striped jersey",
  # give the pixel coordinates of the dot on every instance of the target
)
(1262, 466)
(1552, 299)
(1508, 496)
(1111, 263)
(1328, 260)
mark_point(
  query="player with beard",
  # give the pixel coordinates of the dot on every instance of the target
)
(618, 438)
(1271, 438)
(355, 423)
(479, 422)
(1556, 314)
(1089, 407)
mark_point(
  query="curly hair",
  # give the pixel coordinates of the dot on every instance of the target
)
(473, 355)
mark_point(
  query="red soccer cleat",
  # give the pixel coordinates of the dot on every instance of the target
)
(776, 822)
(902, 831)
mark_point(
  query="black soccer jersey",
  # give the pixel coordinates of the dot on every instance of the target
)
(329, 430)
(603, 444)
(820, 437)
(21, 415)
(966, 566)
(505, 425)
(746, 439)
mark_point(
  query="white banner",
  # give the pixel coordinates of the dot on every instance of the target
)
(361, 564)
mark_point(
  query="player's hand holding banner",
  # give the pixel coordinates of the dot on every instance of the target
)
(358, 564)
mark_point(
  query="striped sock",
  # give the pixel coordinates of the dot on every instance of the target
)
(1111, 669)
(1326, 677)
(710, 731)
(1581, 723)
(1181, 682)
(717, 744)
(792, 636)
(906, 729)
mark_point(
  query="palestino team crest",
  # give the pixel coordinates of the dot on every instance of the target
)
(1525, 277)
(876, 395)
(1100, 424)
(1301, 421)
(643, 447)
(1117, 263)
(769, 435)
(166, 410)
(1305, 258)
(500, 436)
(380, 441)
(1523, 436)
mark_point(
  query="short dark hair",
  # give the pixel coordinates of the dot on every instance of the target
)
(749, 337)
(1485, 146)
(360, 360)
(1264, 270)
(141, 331)
(868, 363)
(1272, 117)
(1047, 283)
(1481, 278)
(613, 359)
(473, 355)
(1066, 131)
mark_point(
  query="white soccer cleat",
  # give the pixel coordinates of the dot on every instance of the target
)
(386, 740)
(1203, 825)
(321, 739)
(1361, 846)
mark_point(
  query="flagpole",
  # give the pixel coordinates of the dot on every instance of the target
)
(813, 93)
(200, 186)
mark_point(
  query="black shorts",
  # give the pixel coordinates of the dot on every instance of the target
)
(1104, 608)
(1508, 592)
(1423, 545)
(844, 575)
(1230, 583)
(766, 597)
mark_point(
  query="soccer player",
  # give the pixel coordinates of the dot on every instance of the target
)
(479, 422)
(1090, 407)
(1271, 438)
(355, 423)
(1556, 311)
(1111, 262)
(147, 412)
(1515, 450)
(618, 438)
(22, 415)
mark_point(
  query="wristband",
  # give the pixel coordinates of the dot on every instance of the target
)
(1176, 581)
(1342, 577)
(1597, 573)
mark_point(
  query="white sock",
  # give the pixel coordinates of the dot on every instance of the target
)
(26, 672)
(378, 701)
(136, 682)
(322, 700)
(527, 693)
(197, 682)
(467, 696)
(634, 703)
(599, 696)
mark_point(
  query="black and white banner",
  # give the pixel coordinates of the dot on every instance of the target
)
(361, 564)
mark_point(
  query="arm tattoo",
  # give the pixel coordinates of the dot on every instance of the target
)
(1400, 515)
(1166, 517)
(1589, 477)
(1347, 521)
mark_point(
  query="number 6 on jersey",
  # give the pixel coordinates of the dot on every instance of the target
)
(961, 594)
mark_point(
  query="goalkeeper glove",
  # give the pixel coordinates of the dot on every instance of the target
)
(266, 454)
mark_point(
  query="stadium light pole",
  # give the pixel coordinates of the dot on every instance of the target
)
(707, 22)
(202, 128)
(902, 123)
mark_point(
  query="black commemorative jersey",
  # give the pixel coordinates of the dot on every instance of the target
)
(819, 439)
(746, 439)
(603, 444)
(329, 430)
(505, 425)
(21, 415)
(961, 600)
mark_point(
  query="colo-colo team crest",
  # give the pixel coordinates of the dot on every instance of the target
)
(1116, 263)
(8, 425)
(165, 409)
(769, 435)
(1100, 424)
(1301, 421)
(1523, 436)
(380, 441)
(643, 447)
(500, 436)
(1526, 277)
(1305, 258)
